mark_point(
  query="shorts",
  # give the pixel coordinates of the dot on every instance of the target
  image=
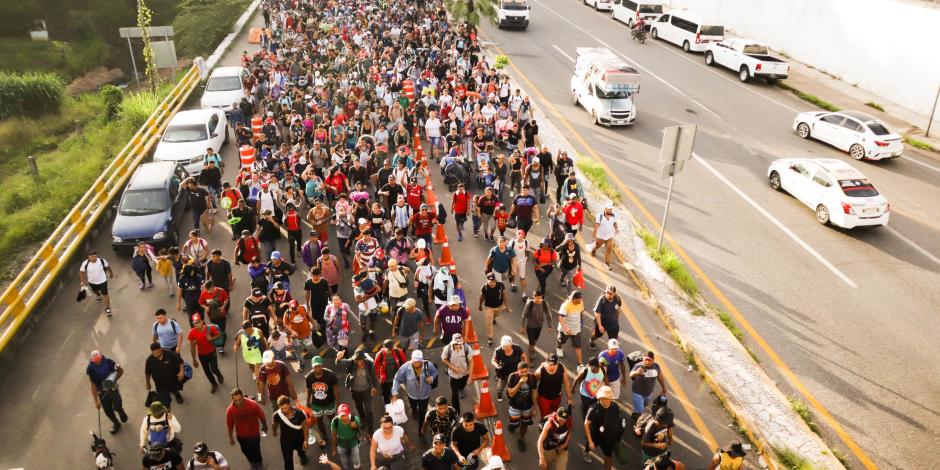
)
(575, 339)
(436, 141)
(548, 406)
(99, 289)
(520, 262)
(519, 418)
(320, 411)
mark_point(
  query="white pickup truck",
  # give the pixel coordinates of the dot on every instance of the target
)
(605, 86)
(512, 13)
(750, 59)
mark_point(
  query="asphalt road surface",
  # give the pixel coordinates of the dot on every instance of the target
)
(47, 412)
(844, 310)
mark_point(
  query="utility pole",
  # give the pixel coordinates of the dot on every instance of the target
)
(675, 150)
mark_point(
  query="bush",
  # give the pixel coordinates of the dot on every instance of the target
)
(29, 94)
(135, 109)
(200, 25)
(113, 96)
(668, 261)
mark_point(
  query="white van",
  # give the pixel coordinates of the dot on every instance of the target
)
(512, 14)
(629, 11)
(687, 29)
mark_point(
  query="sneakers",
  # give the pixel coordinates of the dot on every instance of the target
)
(476, 234)
(513, 288)
(220, 350)
(522, 446)
(499, 398)
(115, 427)
(107, 312)
(213, 388)
(140, 285)
(179, 398)
(98, 298)
(525, 298)
(489, 342)
(122, 415)
(150, 285)
(459, 237)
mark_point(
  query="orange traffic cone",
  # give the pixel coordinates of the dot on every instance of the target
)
(477, 369)
(471, 333)
(485, 409)
(439, 235)
(430, 197)
(499, 444)
(446, 258)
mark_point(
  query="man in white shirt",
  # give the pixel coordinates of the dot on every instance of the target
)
(432, 128)
(93, 274)
(605, 228)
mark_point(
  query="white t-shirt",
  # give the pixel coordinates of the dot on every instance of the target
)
(95, 272)
(391, 446)
(433, 127)
(605, 226)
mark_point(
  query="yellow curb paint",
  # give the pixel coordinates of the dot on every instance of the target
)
(782, 366)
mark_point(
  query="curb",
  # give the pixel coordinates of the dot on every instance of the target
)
(236, 30)
(823, 456)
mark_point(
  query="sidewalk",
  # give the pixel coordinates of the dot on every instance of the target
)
(843, 95)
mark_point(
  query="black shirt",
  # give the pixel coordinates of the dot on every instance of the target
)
(164, 370)
(280, 272)
(319, 296)
(522, 400)
(446, 461)
(608, 418)
(219, 272)
(197, 199)
(268, 230)
(258, 312)
(493, 296)
(321, 388)
(169, 461)
(509, 362)
(468, 441)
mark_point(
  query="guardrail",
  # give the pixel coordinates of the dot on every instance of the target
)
(37, 276)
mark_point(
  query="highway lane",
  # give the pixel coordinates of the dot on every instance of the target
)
(823, 327)
(47, 410)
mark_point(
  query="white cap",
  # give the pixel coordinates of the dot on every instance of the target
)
(505, 341)
(613, 344)
(421, 243)
(267, 357)
(454, 299)
(417, 355)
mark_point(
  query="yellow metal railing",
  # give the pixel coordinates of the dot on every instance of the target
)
(31, 284)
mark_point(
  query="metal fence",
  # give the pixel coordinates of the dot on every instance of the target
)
(20, 298)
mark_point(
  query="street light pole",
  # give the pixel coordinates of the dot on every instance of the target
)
(932, 110)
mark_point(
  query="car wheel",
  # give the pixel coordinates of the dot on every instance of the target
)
(744, 75)
(686, 47)
(574, 97)
(774, 180)
(857, 152)
(225, 139)
(654, 33)
(629, 22)
(594, 118)
(802, 130)
(822, 214)
(709, 59)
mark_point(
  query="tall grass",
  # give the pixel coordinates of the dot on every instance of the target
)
(729, 323)
(136, 108)
(815, 100)
(669, 261)
(800, 408)
(30, 94)
(919, 144)
(793, 461)
(597, 174)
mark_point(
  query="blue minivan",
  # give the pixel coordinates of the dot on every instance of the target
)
(151, 207)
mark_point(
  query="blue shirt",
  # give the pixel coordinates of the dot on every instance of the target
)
(101, 371)
(501, 259)
(417, 387)
(613, 363)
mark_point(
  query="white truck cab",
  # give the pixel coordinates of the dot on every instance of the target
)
(605, 86)
(512, 14)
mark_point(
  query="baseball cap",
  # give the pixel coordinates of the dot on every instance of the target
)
(439, 438)
(95, 354)
(343, 410)
(611, 288)
(505, 341)
(267, 357)
(563, 413)
(316, 361)
(417, 355)
(613, 344)
(257, 291)
(196, 318)
(457, 338)
(275, 255)
(491, 277)
(454, 300)
(201, 449)
(553, 358)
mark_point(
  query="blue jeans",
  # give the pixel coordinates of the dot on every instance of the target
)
(640, 402)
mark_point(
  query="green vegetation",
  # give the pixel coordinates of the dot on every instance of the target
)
(202, 24)
(841, 458)
(471, 12)
(815, 100)
(68, 60)
(793, 461)
(501, 62)
(597, 174)
(689, 357)
(113, 96)
(729, 323)
(873, 105)
(805, 414)
(669, 261)
(29, 94)
(919, 144)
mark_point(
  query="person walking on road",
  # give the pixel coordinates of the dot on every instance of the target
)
(274, 379)
(94, 274)
(451, 319)
(657, 435)
(205, 459)
(470, 440)
(519, 246)
(460, 206)
(160, 428)
(554, 439)
(439, 456)
(251, 342)
(499, 261)
(523, 393)
(613, 359)
(214, 303)
(544, 259)
(417, 376)
(569, 325)
(607, 315)
(199, 200)
(201, 338)
(441, 419)
(553, 382)
(361, 381)
(645, 375)
(493, 300)
(457, 357)
(605, 229)
(505, 362)
(535, 313)
(569, 260)
(346, 430)
(406, 325)
(322, 395)
(243, 418)
(588, 382)
(143, 262)
(299, 325)
(604, 426)
(387, 362)
(387, 449)
(104, 373)
(167, 332)
(189, 287)
(159, 457)
(163, 371)
(291, 424)
(731, 459)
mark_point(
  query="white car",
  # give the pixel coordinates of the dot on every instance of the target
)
(839, 194)
(224, 88)
(189, 134)
(860, 134)
(600, 4)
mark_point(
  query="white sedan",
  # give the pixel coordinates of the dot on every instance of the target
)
(860, 134)
(838, 193)
(189, 134)
(600, 4)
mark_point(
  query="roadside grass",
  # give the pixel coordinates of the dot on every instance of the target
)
(815, 100)
(730, 324)
(597, 174)
(792, 461)
(919, 144)
(873, 105)
(800, 408)
(670, 262)
(66, 59)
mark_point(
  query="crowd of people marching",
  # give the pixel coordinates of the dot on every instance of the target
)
(359, 102)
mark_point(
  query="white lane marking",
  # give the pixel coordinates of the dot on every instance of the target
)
(563, 53)
(773, 220)
(937, 169)
(635, 64)
(915, 246)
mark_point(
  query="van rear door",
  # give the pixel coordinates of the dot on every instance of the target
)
(710, 33)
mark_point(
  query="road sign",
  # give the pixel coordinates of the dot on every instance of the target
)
(675, 150)
(153, 31)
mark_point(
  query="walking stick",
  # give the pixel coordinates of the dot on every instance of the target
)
(236, 363)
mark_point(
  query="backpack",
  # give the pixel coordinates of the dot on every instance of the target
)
(175, 325)
(434, 381)
(161, 436)
(214, 308)
(441, 214)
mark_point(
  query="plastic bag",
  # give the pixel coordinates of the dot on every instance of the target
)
(578, 279)
(396, 410)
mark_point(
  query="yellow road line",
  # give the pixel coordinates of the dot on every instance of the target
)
(784, 369)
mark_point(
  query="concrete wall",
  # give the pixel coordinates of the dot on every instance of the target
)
(888, 47)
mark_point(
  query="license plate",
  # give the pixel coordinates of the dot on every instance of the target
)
(870, 210)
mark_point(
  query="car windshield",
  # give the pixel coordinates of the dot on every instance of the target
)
(191, 133)
(878, 128)
(612, 94)
(515, 6)
(709, 30)
(858, 188)
(651, 9)
(144, 202)
(755, 49)
(223, 84)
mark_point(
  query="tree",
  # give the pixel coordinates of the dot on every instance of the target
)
(471, 11)
(144, 17)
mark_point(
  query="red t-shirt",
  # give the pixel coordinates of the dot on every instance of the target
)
(200, 337)
(415, 195)
(461, 203)
(423, 224)
(292, 220)
(245, 419)
(574, 213)
(218, 294)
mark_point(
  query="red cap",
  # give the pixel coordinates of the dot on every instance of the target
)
(343, 410)
(196, 318)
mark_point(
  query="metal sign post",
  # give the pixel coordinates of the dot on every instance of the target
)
(675, 150)
(167, 54)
